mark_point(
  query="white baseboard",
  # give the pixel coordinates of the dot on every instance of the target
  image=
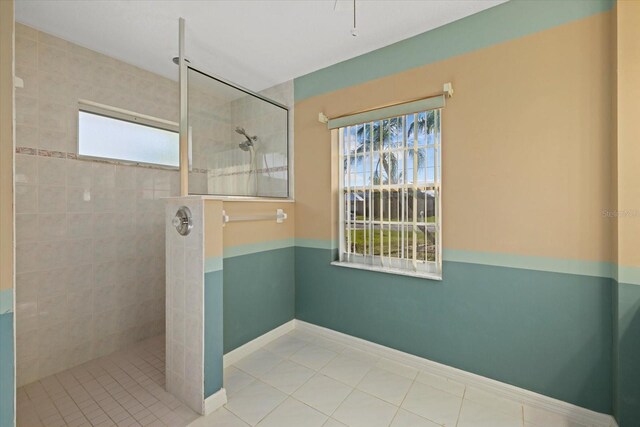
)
(526, 397)
(248, 348)
(215, 401)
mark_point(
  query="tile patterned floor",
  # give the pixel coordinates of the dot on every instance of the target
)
(298, 380)
(306, 380)
(125, 388)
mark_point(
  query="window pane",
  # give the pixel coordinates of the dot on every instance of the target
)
(391, 198)
(106, 137)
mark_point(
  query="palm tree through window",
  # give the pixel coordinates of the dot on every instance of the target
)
(390, 183)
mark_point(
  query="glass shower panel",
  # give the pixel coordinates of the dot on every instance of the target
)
(238, 141)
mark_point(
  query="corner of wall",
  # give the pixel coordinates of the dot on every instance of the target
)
(7, 261)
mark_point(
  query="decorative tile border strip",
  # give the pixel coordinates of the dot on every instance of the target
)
(74, 156)
(265, 170)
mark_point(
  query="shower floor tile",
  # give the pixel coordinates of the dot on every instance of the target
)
(125, 388)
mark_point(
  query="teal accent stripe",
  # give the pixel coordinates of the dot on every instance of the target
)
(7, 385)
(6, 301)
(213, 332)
(554, 265)
(585, 268)
(317, 243)
(498, 24)
(212, 264)
(627, 353)
(629, 275)
(233, 251)
(258, 294)
(546, 332)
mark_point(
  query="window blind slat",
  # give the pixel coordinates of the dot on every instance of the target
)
(399, 159)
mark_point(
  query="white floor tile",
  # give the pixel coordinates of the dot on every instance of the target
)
(387, 386)
(498, 403)
(302, 335)
(235, 380)
(254, 402)
(286, 345)
(433, 404)
(397, 368)
(313, 357)
(287, 376)
(323, 393)
(364, 357)
(346, 369)
(293, 413)
(333, 423)
(541, 418)
(363, 410)
(330, 344)
(407, 419)
(258, 362)
(477, 415)
(441, 383)
(220, 418)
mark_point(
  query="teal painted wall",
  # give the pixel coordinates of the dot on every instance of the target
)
(7, 385)
(507, 21)
(546, 332)
(627, 365)
(213, 332)
(258, 294)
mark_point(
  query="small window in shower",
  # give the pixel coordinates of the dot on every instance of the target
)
(115, 134)
(239, 140)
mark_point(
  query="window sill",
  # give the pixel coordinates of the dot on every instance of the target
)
(428, 276)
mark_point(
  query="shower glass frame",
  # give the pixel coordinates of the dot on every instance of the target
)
(249, 92)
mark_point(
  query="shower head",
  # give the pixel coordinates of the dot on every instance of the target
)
(244, 146)
(176, 60)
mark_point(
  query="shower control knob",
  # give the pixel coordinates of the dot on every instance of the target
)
(183, 221)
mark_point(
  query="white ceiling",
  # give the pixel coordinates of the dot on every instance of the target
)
(256, 44)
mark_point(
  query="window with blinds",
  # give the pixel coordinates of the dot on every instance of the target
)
(390, 210)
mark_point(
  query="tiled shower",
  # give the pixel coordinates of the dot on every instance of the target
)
(90, 235)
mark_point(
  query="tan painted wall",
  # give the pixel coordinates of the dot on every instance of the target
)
(251, 232)
(212, 226)
(6, 144)
(234, 234)
(613, 202)
(526, 144)
(628, 131)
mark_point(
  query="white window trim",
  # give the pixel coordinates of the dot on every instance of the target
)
(374, 263)
(127, 116)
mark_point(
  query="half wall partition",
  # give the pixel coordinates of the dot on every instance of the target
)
(233, 142)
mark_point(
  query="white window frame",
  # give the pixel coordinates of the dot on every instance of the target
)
(402, 266)
(127, 116)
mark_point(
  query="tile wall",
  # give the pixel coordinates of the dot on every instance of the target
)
(185, 305)
(90, 235)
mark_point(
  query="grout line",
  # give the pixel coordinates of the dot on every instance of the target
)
(464, 393)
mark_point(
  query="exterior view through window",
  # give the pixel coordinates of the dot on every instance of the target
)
(390, 186)
(117, 135)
